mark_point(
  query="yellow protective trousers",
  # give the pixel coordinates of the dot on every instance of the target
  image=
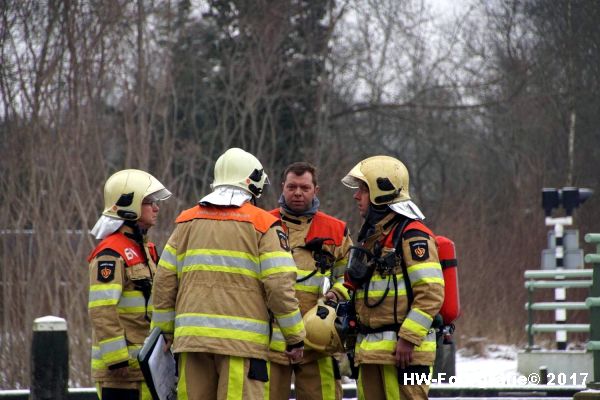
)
(381, 382)
(316, 380)
(206, 376)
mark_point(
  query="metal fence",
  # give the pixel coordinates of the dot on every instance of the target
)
(559, 278)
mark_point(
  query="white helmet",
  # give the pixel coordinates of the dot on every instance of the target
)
(239, 168)
(125, 190)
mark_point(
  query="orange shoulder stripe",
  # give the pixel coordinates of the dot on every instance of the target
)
(259, 218)
(418, 225)
(127, 249)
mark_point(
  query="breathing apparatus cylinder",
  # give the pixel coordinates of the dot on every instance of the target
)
(450, 310)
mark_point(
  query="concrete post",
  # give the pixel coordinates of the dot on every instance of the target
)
(49, 359)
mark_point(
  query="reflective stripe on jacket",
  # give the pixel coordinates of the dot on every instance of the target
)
(223, 270)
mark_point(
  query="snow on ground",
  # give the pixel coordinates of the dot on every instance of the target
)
(498, 367)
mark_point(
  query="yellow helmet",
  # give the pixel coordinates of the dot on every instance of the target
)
(322, 329)
(386, 178)
(125, 190)
(239, 168)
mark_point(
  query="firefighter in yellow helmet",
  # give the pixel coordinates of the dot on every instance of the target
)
(319, 244)
(224, 273)
(397, 282)
(121, 269)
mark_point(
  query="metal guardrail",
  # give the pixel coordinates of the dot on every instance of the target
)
(593, 302)
(570, 279)
(540, 279)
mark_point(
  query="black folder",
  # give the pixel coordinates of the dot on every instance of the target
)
(158, 367)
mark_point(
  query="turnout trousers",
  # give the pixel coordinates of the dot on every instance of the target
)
(206, 376)
(316, 380)
(136, 390)
(380, 382)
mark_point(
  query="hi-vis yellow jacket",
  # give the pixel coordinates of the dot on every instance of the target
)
(419, 252)
(119, 312)
(302, 230)
(222, 273)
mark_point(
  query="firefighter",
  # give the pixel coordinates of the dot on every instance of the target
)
(121, 270)
(319, 245)
(224, 273)
(397, 284)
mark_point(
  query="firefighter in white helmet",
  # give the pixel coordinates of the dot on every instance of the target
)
(397, 282)
(121, 269)
(319, 244)
(224, 273)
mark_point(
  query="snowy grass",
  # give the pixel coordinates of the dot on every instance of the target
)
(497, 365)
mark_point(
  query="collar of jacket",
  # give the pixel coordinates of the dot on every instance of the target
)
(133, 232)
(292, 219)
(308, 213)
(381, 229)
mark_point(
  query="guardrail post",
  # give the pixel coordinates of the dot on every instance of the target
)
(49, 359)
(594, 304)
(529, 319)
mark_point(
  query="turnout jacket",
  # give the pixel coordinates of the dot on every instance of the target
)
(419, 253)
(119, 306)
(301, 230)
(222, 274)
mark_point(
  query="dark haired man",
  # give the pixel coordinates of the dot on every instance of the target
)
(319, 245)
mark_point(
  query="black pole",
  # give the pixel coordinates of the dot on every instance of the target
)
(49, 359)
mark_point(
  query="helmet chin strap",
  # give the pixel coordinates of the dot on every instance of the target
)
(138, 233)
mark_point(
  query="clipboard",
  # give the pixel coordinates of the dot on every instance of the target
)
(159, 368)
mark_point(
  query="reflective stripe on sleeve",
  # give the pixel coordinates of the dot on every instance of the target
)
(168, 258)
(425, 273)
(104, 295)
(417, 322)
(164, 319)
(114, 350)
(428, 344)
(277, 340)
(131, 301)
(276, 262)
(99, 364)
(290, 324)
(341, 289)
